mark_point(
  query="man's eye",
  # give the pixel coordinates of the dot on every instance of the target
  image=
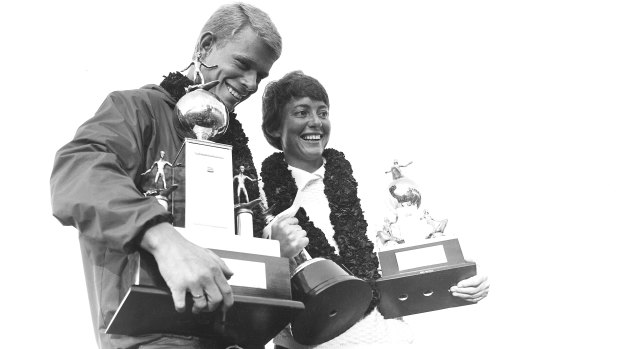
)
(323, 114)
(242, 65)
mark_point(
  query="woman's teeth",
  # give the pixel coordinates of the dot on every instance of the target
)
(311, 137)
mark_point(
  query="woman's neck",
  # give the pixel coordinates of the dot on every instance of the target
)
(309, 166)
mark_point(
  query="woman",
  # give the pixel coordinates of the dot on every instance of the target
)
(330, 224)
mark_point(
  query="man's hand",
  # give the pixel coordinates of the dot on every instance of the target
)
(472, 289)
(292, 238)
(186, 267)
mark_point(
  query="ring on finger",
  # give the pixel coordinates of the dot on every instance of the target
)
(197, 297)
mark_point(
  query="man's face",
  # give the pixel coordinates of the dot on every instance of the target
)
(242, 63)
(304, 132)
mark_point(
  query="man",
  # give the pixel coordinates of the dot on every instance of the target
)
(96, 183)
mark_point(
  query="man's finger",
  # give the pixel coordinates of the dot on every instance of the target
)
(225, 291)
(213, 289)
(227, 272)
(179, 300)
(199, 300)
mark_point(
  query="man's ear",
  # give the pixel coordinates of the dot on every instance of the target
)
(206, 43)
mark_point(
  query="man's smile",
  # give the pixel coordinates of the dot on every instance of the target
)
(236, 94)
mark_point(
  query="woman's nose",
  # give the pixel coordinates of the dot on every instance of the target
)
(315, 120)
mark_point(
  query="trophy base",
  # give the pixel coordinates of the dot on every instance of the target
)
(262, 301)
(334, 301)
(408, 294)
(250, 320)
(417, 278)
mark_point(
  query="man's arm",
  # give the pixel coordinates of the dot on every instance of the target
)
(92, 182)
(93, 189)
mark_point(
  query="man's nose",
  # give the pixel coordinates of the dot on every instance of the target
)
(250, 81)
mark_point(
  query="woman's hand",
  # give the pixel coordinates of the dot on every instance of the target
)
(292, 238)
(472, 289)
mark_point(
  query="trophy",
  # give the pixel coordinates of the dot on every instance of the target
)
(419, 263)
(202, 203)
(334, 299)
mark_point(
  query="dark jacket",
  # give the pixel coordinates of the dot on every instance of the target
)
(97, 187)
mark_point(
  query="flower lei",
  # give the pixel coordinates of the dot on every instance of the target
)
(175, 84)
(356, 250)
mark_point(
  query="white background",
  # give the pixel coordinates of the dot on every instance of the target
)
(508, 110)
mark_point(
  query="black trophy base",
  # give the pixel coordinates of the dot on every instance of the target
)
(413, 293)
(334, 301)
(250, 321)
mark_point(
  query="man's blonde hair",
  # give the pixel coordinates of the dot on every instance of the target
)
(229, 19)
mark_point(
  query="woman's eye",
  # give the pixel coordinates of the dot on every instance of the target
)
(301, 113)
(323, 114)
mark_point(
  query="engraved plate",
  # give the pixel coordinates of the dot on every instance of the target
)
(421, 257)
(247, 273)
(204, 199)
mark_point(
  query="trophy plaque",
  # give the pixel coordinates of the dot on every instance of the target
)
(203, 200)
(202, 204)
(417, 278)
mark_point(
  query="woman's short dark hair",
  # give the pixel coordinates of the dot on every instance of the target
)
(279, 92)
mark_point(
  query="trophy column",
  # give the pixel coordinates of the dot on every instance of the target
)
(203, 201)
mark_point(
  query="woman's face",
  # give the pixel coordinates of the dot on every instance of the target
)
(304, 132)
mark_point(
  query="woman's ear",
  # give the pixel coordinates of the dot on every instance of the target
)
(275, 133)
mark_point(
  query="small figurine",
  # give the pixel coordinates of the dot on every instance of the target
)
(385, 235)
(240, 178)
(395, 169)
(198, 77)
(403, 191)
(438, 227)
(160, 164)
(197, 66)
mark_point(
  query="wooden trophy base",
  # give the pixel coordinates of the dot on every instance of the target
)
(417, 278)
(263, 304)
(250, 321)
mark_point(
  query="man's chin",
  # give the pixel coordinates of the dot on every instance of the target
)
(230, 102)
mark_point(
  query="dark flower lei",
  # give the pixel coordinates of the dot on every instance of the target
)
(175, 84)
(356, 251)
